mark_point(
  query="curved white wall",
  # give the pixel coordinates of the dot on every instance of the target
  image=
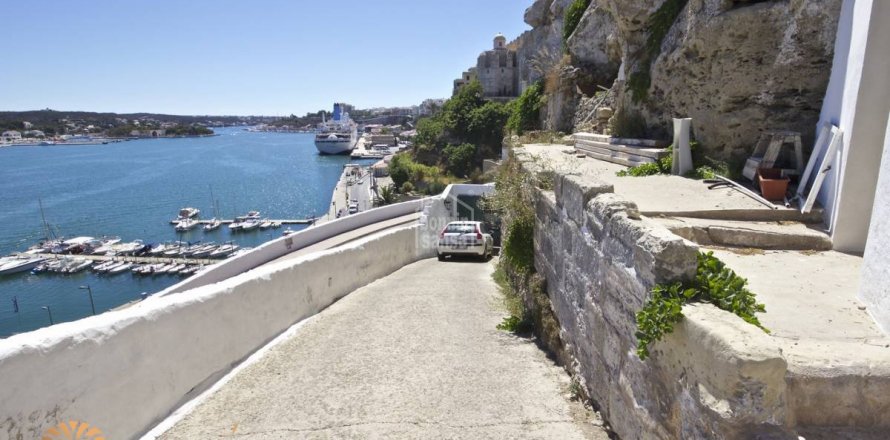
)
(282, 246)
(124, 371)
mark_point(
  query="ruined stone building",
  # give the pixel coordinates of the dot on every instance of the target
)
(496, 70)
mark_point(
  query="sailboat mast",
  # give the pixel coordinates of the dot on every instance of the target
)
(46, 230)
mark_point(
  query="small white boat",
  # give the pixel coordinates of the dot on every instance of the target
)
(251, 215)
(121, 268)
(213, 225)
(105, 266)
(163, 269)
(276, 225)
(189, 212)
(157, 250)
(224, 250)
(288, 232)
(265, 224)
(79, 265)
(186, 225)
(235, 225)
(250, 225)
(175, 269)
(204, 251)
(16, 265)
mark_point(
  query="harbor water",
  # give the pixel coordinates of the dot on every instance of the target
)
(132, 190)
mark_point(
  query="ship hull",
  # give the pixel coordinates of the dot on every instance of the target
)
(334, 147)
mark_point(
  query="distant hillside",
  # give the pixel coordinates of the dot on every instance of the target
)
(53, 122)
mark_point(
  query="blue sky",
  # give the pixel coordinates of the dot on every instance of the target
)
(241, 57)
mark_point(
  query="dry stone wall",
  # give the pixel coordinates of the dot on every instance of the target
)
(600, 260)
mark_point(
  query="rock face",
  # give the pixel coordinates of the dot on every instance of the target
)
(736, 67)
(540, 49)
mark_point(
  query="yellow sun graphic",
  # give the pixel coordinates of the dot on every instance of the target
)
(73, 430)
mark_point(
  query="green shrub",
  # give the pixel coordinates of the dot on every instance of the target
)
(459, 159)
(660, 22)
(639, 83)
(516, 324)
(435, 187)
(714, 283)
(399, 169)
(518, 245)
(628, 124)
(571, 19)
(406, 188)
(526, 110)
(641, 170)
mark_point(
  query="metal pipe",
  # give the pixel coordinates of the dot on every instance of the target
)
(747, 192)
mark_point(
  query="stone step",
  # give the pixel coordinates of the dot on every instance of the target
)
(652, 143)
(625, 159)
(741, 234)
(654, 153)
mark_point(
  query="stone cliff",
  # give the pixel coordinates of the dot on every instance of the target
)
(736, 67)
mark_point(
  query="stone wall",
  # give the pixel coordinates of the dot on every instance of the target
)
(714, 377)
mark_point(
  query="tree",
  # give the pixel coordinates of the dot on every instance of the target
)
(399, 169)
(386, 196)
(526, 109)
(460, 159)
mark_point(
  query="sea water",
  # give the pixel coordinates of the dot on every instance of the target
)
(133, 189)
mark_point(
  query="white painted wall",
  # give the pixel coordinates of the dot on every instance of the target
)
(875, 285)
(857, 100)
(123, 371)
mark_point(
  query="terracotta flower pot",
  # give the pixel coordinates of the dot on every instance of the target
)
(773, 185)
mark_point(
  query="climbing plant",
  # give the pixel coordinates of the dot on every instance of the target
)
(571, 19)
(714, 283)
(659, 24)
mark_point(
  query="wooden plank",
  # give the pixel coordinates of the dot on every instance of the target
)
(772, 153)
(827, 161)
(821, 143)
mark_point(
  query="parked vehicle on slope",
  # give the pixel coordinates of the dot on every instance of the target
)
(465, 238)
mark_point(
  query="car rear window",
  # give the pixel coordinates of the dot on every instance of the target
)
(463, 229)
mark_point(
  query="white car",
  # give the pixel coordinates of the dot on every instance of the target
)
(353, 208)
(465, 238)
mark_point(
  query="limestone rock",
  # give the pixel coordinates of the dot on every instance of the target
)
(754, 67)
(595, 45)
(538, 14)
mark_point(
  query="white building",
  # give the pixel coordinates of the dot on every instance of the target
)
(11, 136)
(856, 191)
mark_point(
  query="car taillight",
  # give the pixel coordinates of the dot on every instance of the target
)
(478, 234)
(442, 234)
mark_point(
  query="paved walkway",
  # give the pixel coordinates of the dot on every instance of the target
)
(412, 355)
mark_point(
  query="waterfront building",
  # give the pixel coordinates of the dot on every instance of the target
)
(11, 136)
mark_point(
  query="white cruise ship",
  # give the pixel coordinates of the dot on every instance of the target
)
(337, 136)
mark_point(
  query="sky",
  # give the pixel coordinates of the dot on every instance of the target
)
(226, 57)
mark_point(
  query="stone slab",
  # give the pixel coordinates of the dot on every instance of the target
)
(760, 235)
(667, 195)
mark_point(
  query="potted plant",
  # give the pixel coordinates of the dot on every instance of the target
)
(773, 185)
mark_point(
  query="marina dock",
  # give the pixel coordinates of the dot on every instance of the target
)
(134, 259)
(304, 221)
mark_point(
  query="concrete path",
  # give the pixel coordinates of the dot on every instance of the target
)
(412, 355)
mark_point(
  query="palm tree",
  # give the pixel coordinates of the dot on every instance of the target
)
(386, 196)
